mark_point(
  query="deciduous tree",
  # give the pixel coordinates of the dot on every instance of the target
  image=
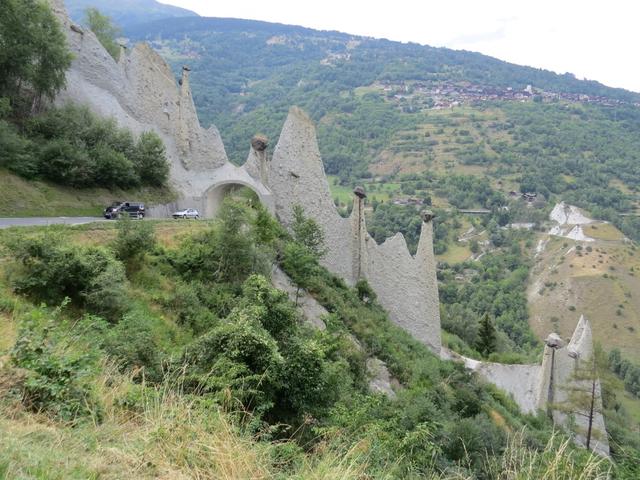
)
(33, 54)
(102, 26)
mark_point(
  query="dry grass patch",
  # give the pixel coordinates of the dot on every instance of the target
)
(455, 254)
(603, 231)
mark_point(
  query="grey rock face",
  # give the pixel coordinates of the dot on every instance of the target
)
(406, 286)
(312, 311)
(381, 380)
(297, 177)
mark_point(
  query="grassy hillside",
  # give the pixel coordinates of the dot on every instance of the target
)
(152, 390)
(32, 198)
(599, 280)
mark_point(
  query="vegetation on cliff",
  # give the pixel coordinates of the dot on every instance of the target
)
(160, 329)
(33, 56)
(104, 29)
(69, 145)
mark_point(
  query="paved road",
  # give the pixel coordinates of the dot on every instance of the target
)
(43, 221)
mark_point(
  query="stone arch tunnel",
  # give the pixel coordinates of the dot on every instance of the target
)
(214, 195)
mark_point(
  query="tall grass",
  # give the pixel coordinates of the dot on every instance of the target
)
(156, 433)
(160, 433)
(558, 461)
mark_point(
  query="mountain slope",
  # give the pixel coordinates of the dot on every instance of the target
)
(387, 109)
(127, 12)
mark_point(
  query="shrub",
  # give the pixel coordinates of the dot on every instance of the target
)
(16, 152)
(77, 148)
(191, 311)
(365, 292)
(105, 292)
(133, 241)
(470, 440)
(62, 162)
(300, 264)
(225, 253)
(134, 343)
(57, 377)
(306, 384)
(275, 314)
(50, 271)
(307, 232)
(238, 355)
(112, 168)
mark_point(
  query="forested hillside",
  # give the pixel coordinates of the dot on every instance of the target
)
(386, 109)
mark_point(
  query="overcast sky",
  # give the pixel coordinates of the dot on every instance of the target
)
(593, 39)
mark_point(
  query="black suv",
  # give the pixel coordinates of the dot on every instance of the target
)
(118, 209)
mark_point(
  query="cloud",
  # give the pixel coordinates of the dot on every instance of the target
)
(466, 40)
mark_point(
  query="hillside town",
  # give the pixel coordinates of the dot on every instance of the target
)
(415, 96)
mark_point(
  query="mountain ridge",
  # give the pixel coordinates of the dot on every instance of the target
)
(195, 24)
(126, 12)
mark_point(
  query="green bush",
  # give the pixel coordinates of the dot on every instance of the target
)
(72, 146)
(134, 343)
(226, 253)
(191, 311)
(276, 314)
(112, 168)
(16, 152)
(239, 355)
(134, 240)
(62, 162)
(50, 270)
(468, 440)
(365, 292)
(150, 160)
(57, 375)
(264, 358)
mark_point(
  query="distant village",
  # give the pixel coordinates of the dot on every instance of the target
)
(528, 197)
(415, 96)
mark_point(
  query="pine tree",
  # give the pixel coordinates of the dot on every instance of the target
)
(487, 336)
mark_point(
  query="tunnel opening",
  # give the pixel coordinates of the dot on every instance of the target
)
(237, 191)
